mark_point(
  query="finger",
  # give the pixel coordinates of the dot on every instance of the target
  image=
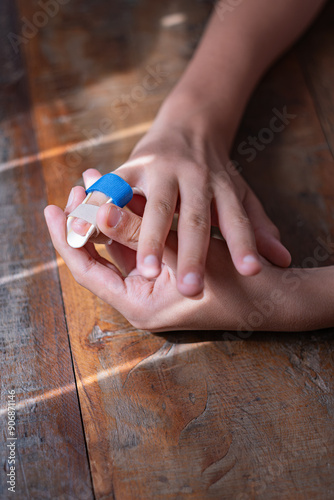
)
(266, 233)
(88, 272)
(97, 198)
(119, 224)
(237, 230)
(123, 257)
(90, 247)
(156, 223)
(77, 195)
(89, 176)
(193, 241)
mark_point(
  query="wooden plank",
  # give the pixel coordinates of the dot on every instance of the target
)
(293, 174)
(49, 447)
(196, 414)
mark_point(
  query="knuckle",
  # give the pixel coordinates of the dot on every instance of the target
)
(241, 222)
(202, 176)
(202, 197)
(223, 181)
(197, 221)
(133, 233)
(201, 170)
(155, 245)
(163, 207)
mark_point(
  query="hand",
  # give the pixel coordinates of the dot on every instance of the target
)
(177, 171)
(177, 164)
(268, 301)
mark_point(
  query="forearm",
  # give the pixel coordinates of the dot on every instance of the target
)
(236, 49)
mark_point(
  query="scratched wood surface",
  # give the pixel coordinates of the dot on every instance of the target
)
(201, 415)
(50, 454)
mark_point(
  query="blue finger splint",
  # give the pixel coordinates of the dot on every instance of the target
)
(114, 187)
(118, 192)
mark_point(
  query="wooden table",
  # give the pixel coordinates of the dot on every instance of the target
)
(106, 411)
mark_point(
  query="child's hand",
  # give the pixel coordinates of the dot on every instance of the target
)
(182, 162)
(179, 172)
(229, 301)
(178, 162)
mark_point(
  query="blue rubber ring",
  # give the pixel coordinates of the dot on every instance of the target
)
(114, 187)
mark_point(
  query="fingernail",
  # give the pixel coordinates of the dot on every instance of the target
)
(250, 259)
(84, 174)
(80, 226)
(70, 199)
(192, 279)
(151, 261)
(114, 216)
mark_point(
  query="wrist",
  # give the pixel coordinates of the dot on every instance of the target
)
(196, 117)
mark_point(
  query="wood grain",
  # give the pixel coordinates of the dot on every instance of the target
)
(50, 453)
(293, 175)
(197, 414)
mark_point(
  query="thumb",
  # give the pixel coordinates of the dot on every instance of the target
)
(120, 225)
